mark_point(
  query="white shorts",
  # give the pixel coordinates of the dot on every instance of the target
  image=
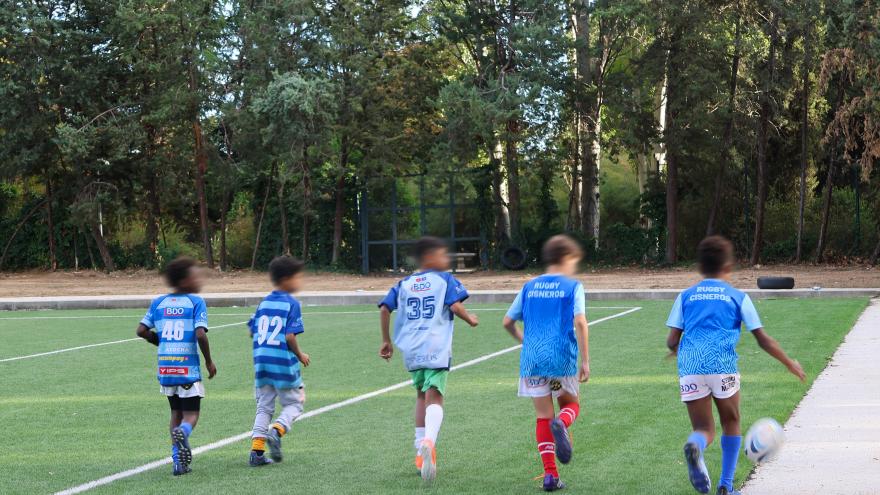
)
(542, 386)
(196, 389)
(695, 387)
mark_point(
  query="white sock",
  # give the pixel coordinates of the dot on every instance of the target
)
(420, 435)
(433, 420)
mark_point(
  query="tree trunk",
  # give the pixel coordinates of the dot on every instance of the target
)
(573, 220)
(17, 229)
(282, 213)
(339, 193)
(50, 224)
(224, 215)
(201, 168)
(590, 180)
(672, 144)
(154, 212)
(587, 108)
(805, 123)
(307, 203)
(502, 219)
(763, 137)
(826, 208)
(727, 139)
(510, 157)
(109, 266)
(262, 214)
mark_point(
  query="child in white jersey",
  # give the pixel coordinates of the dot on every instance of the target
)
(428, 301)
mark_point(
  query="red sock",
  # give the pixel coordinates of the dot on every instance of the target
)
(569, 413)
(546, 446)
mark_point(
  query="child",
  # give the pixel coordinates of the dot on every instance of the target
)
(704, 328)
(552, 309)
(181, 320)
(277, 359)
(427, 299)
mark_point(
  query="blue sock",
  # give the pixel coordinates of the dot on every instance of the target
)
(699, 439)
(730, 446)
(175, 457)
(187, 429)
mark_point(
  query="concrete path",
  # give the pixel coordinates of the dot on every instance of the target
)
(833, 438)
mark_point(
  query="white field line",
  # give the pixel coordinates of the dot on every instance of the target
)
(310, 313)
(101, 344)
(321, 410)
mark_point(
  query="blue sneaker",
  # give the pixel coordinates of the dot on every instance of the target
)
(184, 453)
(722, 490)
(180, 469)
(552, 483)
(562, 440)
(697, 471)
(273, 440)
(258, 460)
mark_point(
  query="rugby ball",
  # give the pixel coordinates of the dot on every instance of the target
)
(763, 440)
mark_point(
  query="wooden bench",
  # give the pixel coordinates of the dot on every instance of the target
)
(460, 258)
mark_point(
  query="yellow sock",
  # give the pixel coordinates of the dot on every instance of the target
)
(281, 430)
(258, 444)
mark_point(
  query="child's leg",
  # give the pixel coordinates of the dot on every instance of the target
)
(731, 439)
(703, 425)
(569, 408)
(265, 397)
(545, 413)
(433, 414)
(420, 419)
(176, 418)
(292, 403)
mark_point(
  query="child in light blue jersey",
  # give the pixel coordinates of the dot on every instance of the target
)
(552, 308)
(704, 328)
(428, 301)
(180, 320)
(277, 360)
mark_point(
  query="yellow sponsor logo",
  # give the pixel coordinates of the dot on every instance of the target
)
(173, 359)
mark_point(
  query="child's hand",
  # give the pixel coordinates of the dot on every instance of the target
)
(304, 359)
(584, 373)
(474, 320)
(795, 368)
(212, 369)
(386, 351)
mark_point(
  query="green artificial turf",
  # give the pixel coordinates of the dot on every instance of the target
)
(74, 417)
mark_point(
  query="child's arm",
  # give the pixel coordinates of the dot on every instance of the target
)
(202, 337)
(672, 341)
(387, 349)
(510, 325)
(147, 334)
(582, 331)
(771, 346)
(293, 345)
(459, 311)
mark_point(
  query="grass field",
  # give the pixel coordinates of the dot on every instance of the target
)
(72, 417)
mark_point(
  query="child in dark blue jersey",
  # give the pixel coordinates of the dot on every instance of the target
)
(552, 309)
(277, 360)
(180, 320)
(704, 329)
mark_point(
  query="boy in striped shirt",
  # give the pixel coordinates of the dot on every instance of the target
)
(277, 359)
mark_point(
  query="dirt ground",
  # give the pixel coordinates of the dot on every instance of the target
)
(83, 283)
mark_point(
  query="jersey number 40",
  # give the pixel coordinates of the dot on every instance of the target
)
(420, 307)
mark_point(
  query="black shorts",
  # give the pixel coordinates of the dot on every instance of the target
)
(184, 404)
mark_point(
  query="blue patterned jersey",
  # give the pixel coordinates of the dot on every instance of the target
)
(275, 364)
(711, 315)
(176, 318)
(423, 327)
(547, 306)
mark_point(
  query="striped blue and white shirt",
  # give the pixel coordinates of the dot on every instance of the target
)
(176, 318)
(275, 364)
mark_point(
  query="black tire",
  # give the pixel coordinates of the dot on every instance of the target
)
(775, 283)
(514, 258)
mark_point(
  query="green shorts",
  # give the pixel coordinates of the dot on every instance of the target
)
(427, 378)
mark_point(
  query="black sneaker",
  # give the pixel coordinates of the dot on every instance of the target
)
(562, 440)
(552, 483)
(697, 472)
(722, 490)
(184, 453)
